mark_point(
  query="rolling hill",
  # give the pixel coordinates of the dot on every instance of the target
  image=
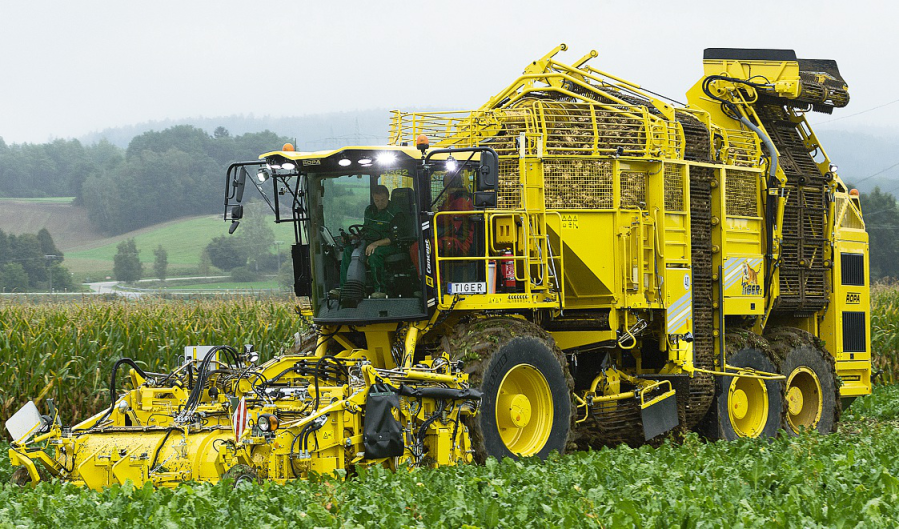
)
(88, 251)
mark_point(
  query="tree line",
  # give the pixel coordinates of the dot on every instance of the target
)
(32, 262)
(179, 171)
(160, 176)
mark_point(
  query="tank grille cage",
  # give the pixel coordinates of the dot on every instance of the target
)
(509, 196)
(846, 214)
(741, 190)
(674, 188)
(742, 148)
(633, 190)
(568, 128)
(578, 184)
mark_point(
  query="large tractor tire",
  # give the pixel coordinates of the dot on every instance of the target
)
(526, 407)
(812, 395)
(749, 407)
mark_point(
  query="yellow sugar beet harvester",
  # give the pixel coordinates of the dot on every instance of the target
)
(579, 262)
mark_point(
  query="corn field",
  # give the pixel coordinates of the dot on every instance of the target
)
(65, 351)
(885, 331)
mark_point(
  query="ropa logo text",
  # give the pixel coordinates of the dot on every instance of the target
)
(853, 298)
(312, 162)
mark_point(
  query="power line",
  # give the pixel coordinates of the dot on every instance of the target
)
(875, 174)
(857, 113)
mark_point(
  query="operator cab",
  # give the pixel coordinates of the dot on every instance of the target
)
(363, 224)
(366, 222)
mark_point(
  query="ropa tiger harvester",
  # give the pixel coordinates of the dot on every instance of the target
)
(579, 262)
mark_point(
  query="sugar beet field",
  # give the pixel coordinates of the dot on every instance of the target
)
(66, 351)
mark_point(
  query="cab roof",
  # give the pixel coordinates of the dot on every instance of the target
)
(410, 151)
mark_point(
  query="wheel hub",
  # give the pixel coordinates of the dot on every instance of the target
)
(519, 411)
(794, 400)
(747, 406)
(739, 404)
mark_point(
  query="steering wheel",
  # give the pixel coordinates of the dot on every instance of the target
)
(356, 230)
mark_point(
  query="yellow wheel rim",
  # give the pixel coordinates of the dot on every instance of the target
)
(804, 399)
(524, 410)
(747, 406)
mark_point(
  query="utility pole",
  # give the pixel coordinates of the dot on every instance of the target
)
(50, 258)
(278, 244)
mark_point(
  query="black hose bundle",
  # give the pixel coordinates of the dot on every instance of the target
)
(318, 371)
(203, 372)
(112, 392)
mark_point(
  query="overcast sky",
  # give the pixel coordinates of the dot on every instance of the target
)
(73, 67)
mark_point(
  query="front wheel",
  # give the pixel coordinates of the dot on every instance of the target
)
(525, 404)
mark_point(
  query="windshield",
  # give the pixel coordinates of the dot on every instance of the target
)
(364, 234)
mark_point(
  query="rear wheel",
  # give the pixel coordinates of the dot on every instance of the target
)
(525, 405)
(811, 395)
(749, 407)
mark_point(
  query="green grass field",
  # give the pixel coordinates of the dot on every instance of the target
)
(184, 241)
(224, 285)
(65, 350)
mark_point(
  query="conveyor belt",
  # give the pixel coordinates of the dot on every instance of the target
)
(803, 284)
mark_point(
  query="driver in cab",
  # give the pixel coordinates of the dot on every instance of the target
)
(375, 238)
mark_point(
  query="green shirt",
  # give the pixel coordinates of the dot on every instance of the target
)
(376, 225)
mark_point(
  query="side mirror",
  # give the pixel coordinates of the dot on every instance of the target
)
(240, 181)
(485, 199)
(236, 212)
(423, 175)
(488, 171)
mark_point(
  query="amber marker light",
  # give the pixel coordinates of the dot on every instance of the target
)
(267, 422)
(288, 147)
(422, 143)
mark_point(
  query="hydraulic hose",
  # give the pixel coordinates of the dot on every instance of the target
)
(318, 372)
(770, 205)
(112, 392)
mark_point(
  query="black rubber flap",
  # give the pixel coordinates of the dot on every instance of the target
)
(382, 433)
(660, 417)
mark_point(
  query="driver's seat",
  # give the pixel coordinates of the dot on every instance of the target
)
(401, 272)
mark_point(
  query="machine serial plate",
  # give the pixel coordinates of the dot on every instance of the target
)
(467, 288)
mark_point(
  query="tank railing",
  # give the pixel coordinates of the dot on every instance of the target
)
(488, 252)
(406, 126)
(555, 83)
(743, 148)
(582, 128)
(557, 75)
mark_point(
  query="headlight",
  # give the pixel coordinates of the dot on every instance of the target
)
(267, 422)
(386, 158)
